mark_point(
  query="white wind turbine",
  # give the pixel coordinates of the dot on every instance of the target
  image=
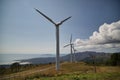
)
(71, 47)
(57, 36)
(74, 50)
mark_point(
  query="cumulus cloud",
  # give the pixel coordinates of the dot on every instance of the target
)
(108, 36)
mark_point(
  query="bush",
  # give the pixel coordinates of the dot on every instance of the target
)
(115, 59)
(2, 70)
(15, 67)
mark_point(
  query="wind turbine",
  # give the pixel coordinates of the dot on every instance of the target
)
(74, 50)
(57, 36)
(71, 46)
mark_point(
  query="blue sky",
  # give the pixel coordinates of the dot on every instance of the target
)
(23, 30)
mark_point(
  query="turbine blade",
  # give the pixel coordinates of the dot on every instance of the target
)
(71, 39)
(64, 20)
(46, 17)
(73, 47)
(66, 45)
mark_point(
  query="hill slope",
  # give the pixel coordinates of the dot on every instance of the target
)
(68, 71)
(80, 56)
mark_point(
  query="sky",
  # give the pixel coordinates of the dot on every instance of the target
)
(95, 25)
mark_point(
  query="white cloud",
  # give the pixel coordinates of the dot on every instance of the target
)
(108, 36)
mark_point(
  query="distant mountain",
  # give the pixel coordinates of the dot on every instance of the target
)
(80, 56)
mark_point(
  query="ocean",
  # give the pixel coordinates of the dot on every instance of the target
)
(7, 59)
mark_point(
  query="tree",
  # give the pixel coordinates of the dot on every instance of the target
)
(2, 70)
(15, 67)
(115, 59)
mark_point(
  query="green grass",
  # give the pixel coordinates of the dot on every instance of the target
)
(79, 76)
(71, 71)
(79, 71)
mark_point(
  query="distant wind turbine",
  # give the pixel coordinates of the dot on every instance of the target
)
(57, 36)
(71, 47)
(74, 50)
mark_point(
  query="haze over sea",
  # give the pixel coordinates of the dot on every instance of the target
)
(11, 58)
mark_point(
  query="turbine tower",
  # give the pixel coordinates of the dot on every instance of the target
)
(74, 50)
(57, 36)
(71, 46)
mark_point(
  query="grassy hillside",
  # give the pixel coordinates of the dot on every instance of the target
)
(78, 71)
(69, 71)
